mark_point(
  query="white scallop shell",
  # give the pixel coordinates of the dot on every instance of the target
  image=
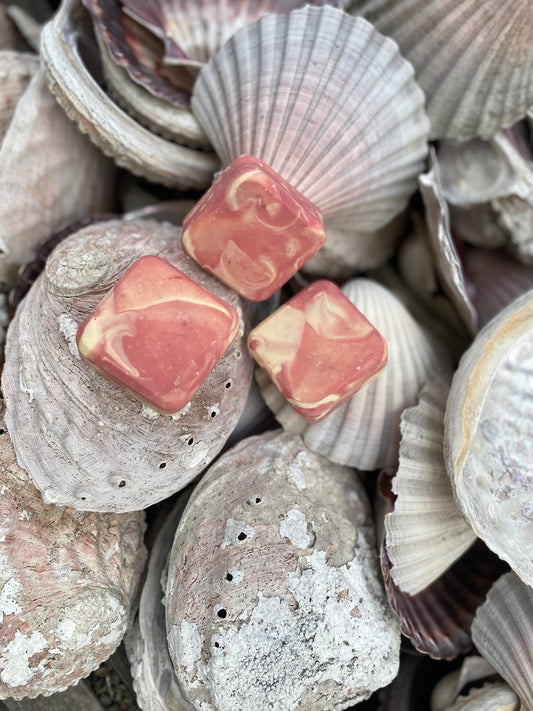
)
(502, 631)
(426, 532)
(472, 58)
(489, 435)
(327, 102)
(364, 432)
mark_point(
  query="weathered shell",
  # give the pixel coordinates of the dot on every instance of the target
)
(493, 696)
(472, 58)
(50, 175)
(489, 435)
(327, 102)
(426, 532)
(84, 441)
(16, 70)
(503, 633)
(67, 50)
(273, 597)
(365, 431)
(474, 668)
(67, 582)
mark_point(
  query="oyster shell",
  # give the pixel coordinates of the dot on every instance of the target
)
(472, 58)
(92, 446)
(489, 435)
(273, 596)
(67, 583)
(327, 102)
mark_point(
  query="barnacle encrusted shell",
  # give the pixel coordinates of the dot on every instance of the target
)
(327, 102)
(489, 435)
(472, 58)
(85, 442)
(273, 596)
(67, 582)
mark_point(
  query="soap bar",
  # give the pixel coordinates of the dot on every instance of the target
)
(318, 349)
(252, 229)
(157, 334)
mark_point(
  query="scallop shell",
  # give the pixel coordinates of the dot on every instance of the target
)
(473, 669)
(16, 70)
(273, 595)
(364, 432)
(67, 584)
(489, 435)
(327, 102)
(50, 175)
(426, 532)
(68, 55)
(503, 633)
(91, 445)
(472, 58)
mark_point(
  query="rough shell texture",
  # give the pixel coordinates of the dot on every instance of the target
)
(92, 446)
(426, 532)
(68, 55)
(489, 435)
(50, 175)
(327, 102)
(503, 633)
(67, 581)
(486, 47)
(273, 597)
(365, 431)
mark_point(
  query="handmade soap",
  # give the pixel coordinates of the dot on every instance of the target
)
(318, 349)
(252, 229)
(157, 334)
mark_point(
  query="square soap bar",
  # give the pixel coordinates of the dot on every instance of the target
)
(318, 349)
(157, 334)
(252, 229)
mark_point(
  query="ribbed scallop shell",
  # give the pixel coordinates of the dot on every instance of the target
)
(426, 532)
(68, 56)
(502, 631)
(327, 102)
(83, 440)
(365, 432)
(67, 582)
(472, 58)
(489, 435)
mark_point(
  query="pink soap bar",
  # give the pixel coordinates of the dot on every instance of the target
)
(252, 229)
(318, 349)
(157, 334)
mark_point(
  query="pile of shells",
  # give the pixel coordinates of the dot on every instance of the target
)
(245, 558)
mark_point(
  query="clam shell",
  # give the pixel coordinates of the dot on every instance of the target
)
(474, 668)
(489, 435)
(84, 441)
(66, 51)
(426, 532)
(364, 432)
(502, 631)
(327, 102)
(472, 58)
(273, 595)
(494, 696)
(16, 70)
(50, 175)
(67, 583)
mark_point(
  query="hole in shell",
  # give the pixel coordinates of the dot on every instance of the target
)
(217, 645)
(162, 465)
(228, 384)
(122, 483)
(257, 500)
(83, 498)
(237, 354)
(222, 613)
(2, 431)
(213, 413)
(242, 536)
(229, 577)
(190, 441)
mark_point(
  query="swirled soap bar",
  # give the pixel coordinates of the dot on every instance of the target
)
(318, 349)
(252, 229)
(157, 334)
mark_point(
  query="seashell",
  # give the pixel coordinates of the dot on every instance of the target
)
(273, 597)
(364, 432)
(472, 58)
(493, 696)
(8, 36)
(502, 631)
(325, 101)
(66, 588)
(49, 175)
(16, 70)
(67, 49)
(473, 668)
(426, 532)
(489, 435)
(92, 446)
(497, 280)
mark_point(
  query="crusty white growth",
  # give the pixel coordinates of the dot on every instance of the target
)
(15, 660)
(8, 598)
(68, 327)
(294, 527)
